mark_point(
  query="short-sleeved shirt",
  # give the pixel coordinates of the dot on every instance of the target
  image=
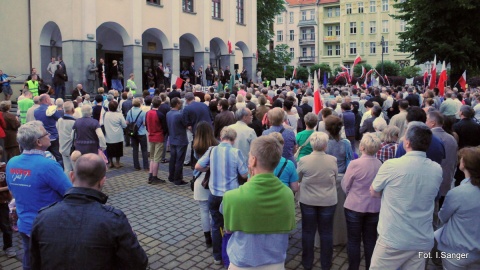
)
(133, 114)
(177, 129)
(289, 139)
(225, 162)
(409, 184)
(289, 174)
(301, 138)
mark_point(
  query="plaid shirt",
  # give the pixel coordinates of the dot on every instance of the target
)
(387, 151)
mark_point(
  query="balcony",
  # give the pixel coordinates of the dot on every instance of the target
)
(331, 38)
(307, 59)
(308, 41)
(307, 23)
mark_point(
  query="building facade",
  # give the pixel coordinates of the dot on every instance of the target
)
(136, 33)
(336, 31)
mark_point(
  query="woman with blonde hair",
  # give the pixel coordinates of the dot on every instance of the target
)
(389, 145)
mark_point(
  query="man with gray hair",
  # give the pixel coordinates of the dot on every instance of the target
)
(31, 110)
(91, 75)
(64, 127)
(34, 180)
(408, 186)
(226, 163)
(245, 134)
(50, 123)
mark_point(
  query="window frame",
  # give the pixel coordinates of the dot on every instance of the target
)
(304, 52)
(312, 51)
(385, 29)
(373, 8)
(373, 27)
(291, 17)
(304, 15)
(353, 28)
(329, 12)
(216, 9)
(385, 47)
(330, 30)
(312, 15)
(353, 49)
(337, 12)
(280, 36)
(360, 7)
(338, 50)
(291, 35)
(403, 25)
(186, 4)
(385, 5)
(240, 12)
(329, 50)
(154, 2)
(292, 52)
(373, 48)
(348, 8)
(337, 30)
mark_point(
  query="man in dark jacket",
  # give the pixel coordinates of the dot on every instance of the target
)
(368, 124)
(209, 75)
(81, 230)
(413, 99)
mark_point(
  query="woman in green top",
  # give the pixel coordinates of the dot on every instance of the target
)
(131, 84)
(303, 137)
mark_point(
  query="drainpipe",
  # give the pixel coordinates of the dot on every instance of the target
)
(30, 34)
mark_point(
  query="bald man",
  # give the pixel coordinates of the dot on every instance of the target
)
(77, 226)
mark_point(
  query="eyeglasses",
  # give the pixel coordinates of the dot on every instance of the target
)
(46, 134)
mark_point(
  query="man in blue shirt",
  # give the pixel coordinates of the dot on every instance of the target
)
(151, 90)
(34, 180)
(5, 85)
(138, 116)
(178, 142)
(50, 123)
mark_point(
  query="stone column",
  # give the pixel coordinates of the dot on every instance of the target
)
(132, 63)
(76, 55)
(250, 64)
(202, 59)
(172, 56)
(229, 60)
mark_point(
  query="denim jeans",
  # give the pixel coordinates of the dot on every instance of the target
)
(5, 225)
(142, 140)
(313, 218)
(217, 224)
(26, 251)
(205, 216)
(175, 166)
(60, 92)
(165, 144)
(360, 226)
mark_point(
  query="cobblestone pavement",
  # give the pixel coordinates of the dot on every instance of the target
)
(167, 222)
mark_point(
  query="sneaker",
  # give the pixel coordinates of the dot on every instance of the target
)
(156, 180)
(217, 262)
(10, 252)
(150, 180)
(181, 184)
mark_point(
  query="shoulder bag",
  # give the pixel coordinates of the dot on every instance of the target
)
(206, 179)
(301, 147)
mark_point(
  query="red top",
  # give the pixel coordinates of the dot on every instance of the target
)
(154, 127)
(3, 126)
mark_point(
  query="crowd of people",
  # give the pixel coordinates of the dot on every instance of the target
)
(383, 166)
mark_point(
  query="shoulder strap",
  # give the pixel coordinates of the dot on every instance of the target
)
(282, 130)
(138, 115)
(306, 142)
(283, 168)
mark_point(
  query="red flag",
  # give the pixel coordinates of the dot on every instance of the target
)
(317, 102)
(347, 73)
(104, 81)
(357, 85)
(363, 72)
(179, 82)
(442, 80)
(463, 81)
(357, 60)
(425, 76)
(387, 79)
(433, 78)
(294, 73)
(229, 47)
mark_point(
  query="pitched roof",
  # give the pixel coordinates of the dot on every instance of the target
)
(329, 1)
(301, 2)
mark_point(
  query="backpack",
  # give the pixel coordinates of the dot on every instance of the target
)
(132, 128)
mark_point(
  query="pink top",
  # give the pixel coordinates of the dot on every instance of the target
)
(356, 183)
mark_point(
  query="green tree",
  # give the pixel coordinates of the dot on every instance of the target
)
(447, 29)
(357, 71)
(389, 68)
(302, 74)
(272, 62)
(410, 71)
(266, 12)
(324, 67)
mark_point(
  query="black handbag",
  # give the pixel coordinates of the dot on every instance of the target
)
(206, 179)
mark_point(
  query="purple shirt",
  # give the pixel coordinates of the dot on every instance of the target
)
(356, 183)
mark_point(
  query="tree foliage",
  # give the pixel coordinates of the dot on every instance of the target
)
(357, 70)
(266, 12)
(272, 62)
(324, 67)
(302, 74)
(389, 68)
(447, 29)
(410, 71)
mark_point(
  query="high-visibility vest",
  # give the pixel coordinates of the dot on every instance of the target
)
(33, 87)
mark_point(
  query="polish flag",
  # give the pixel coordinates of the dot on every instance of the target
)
(463, 81)
(425, 76)
(229, 47)
(433, 77)
(317, 100)
(104, 81)
(442, 80)
(363, 73)
(294, 73)
(357, 85)
(357, 60)
(347, 73)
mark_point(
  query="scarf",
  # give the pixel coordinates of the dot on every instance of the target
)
(263, 205)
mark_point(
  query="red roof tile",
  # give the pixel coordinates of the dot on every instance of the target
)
(301, 2)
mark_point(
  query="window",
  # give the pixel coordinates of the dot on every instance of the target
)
(304, 15)
(187, 5)
(349, 8)
(329, 30)
(337, 49)
(373, 7)
(353, 48)
(385, 47)
(312, 51)
(292, 52)
(291, 17)
(216, 9)
(337, 30)
(304, 34)
(329, 12)
(312, 34)
(329, 50)
(360, 7)
(373, 27)
(292, 34)
(373, 48)
(279, 19)
(240, 10)
(304, 52)
(279, 35)
(402, 26)
(337, 11)
(361, 28)
(312, 14)
(155, 2)
(353, 28)
(385, 26)
(384, 5)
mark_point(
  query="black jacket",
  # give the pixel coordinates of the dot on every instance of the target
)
(81, 232)
(468, 133)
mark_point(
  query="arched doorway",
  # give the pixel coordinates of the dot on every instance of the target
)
(247, 59)
(50, 46)
(111, 38)
(153, 41)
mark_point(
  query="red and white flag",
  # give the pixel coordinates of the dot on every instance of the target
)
(357, 60)
(317, 100)
(425, 76)
(229, 47)
(357, 86)
(347, 73)
(294, 73)
(442, 80)
(463, 81)
(363, 73)
(386, 78)
(433, 72)
(104, 81)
